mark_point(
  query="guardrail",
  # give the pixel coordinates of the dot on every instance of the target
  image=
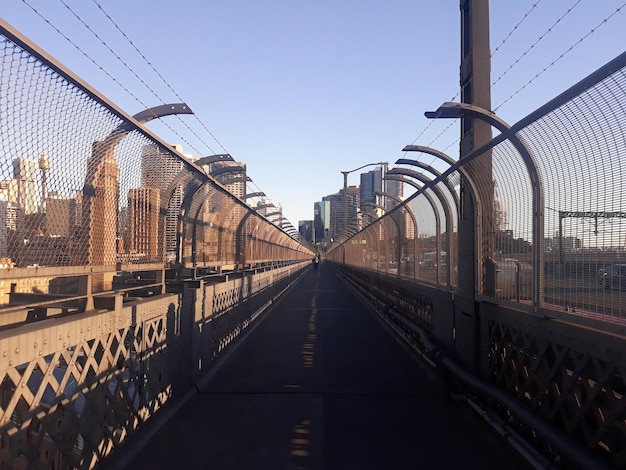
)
(126, 269)
(74, 389)
(527, 287)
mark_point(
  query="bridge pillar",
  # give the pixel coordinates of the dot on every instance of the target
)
(475, 89)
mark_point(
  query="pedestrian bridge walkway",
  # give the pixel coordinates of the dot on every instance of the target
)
(320, 383)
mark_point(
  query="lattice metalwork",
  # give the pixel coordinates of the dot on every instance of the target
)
(71, 391)
(579, 389)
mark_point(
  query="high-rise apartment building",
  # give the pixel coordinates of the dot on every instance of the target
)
(8, 214)
(271, 210)
(336, 213)
(305, 229)
(371, 183)
(232, 175)
(321, 220)
(8, 225)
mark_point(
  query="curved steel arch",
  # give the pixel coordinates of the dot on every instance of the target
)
(398, 228)
(435, 172)
(220, 157)
(461, 110)
(227, 169)
(444, 203)
(95, 164)
(454, 166)
(160, 111)
(411, 214)
(431, 151)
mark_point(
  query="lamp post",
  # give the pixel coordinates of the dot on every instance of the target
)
(345, 189)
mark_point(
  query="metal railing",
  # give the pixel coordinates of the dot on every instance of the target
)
(125, 268)
(547, 315)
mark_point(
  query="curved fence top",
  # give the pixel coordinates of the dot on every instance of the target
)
(549, 209)
(82, 183)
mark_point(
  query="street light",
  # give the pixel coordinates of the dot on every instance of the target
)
(345, 188)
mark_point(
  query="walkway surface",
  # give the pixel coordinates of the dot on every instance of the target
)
(320, 384)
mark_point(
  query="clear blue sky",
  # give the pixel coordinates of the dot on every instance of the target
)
(303, 89)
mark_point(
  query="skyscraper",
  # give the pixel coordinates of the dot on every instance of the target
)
(159, 169)
(371, 183)
(25, 173)
(100, 207)
(60, 216)
(231, 175)
(144, 206)
(8, 224)
(305, 228)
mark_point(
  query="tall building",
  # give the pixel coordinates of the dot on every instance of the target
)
(100, 207)
(8, 214)
(371, 183)
(395, 188)
(8, 225)
(159, 169)
(232, 175)
(60, 216)
(321, 220)
(336, 212)
(271, 210)
(25, 173)
(305, 228)
(144, 207)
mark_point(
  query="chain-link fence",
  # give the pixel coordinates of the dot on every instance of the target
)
(514, 263)
(93, 205)
(82, 184)
(549, 216)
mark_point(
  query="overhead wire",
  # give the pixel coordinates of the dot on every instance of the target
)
(169, 86)
(93, 61)
(117, 81)
(551, 64)
(451, 124)
(132, 71)
(537, 41)
(517, 61)
(524, 18)
(154, 69)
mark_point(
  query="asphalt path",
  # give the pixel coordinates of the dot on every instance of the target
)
(320, 384)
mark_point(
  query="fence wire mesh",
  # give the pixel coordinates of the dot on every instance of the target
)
(86, 190)
(83, 184)
(549, 216)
